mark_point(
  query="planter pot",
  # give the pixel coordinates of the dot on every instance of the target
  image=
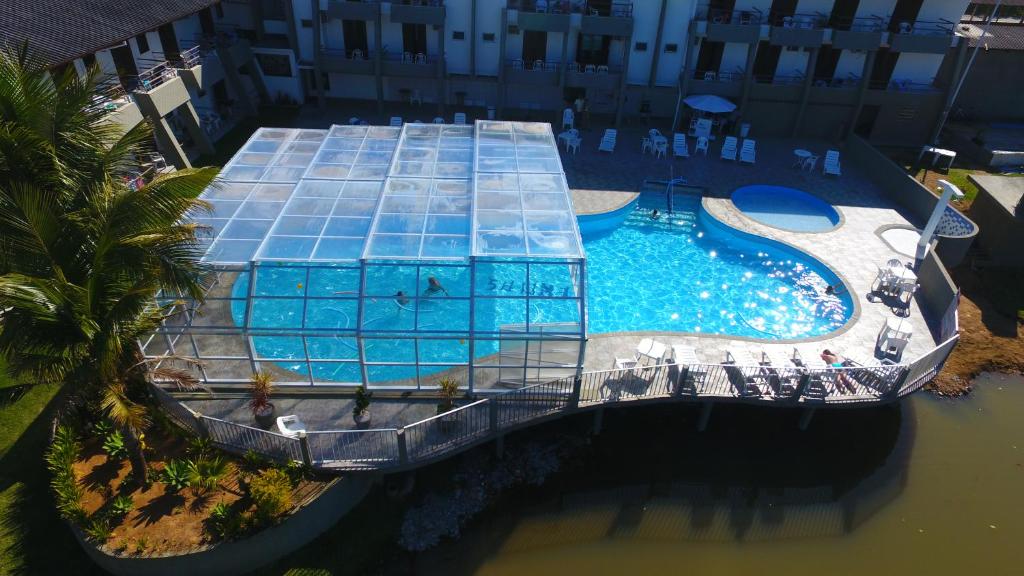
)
(448, 422)
(265, 418)
(363, 421)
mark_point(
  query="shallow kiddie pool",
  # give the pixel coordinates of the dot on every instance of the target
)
(785, 208)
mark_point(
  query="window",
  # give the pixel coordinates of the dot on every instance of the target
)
(535, 45)
(640, 47)
(414, 38)
(488, 36)
(275, 64)
(142, 42)
(671, 48)
(325, 81)
(307, 23)
(458, 35)
(89, 60)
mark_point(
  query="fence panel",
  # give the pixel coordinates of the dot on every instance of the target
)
(354, 448)
(926, 367)
(179, 413)
(532, 402)
(446, 432)
(239, 438)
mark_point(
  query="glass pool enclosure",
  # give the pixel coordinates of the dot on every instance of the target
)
(391, 257)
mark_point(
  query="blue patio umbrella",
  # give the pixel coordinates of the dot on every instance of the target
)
(709, 103)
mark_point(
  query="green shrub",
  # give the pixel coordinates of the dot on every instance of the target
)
(198, 447)
(98, 530)
(103, 428)
(224, 522)
(362, 402)
(60, 459)
(271, 493)
(121, 505)
(114, 446)
(205, 473)
(253, 460)
(175, 475)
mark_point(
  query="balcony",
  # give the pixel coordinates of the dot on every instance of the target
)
(199, 68)
(341, 10)
(347, 61)
(593, 76)
(858, 33)
(804, 30)
(538, 73)
(410, 65)
(724, 84)
(418, 12)
(541, 16)
(732, 25)
(922, 37)
(614, 21)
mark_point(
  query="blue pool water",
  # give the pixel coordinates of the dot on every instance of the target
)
(687, 272)
(786, 208)
(683, 272)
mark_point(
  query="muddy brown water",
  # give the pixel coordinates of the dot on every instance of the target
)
(934, 486)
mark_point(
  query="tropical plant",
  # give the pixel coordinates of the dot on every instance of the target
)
(271, 492)
(261, 385)
(83, 255)
(204, 474)
(175, 475)
(98, 529)
(121, 506)
(199, 446)
(224, 521)
(103, 428)
(253, 460)
(114, 446)
(449, 390)
(362, 402)
(60, 459)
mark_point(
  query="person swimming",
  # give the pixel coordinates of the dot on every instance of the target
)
(833, 289)
(654, 214)
(401, 299)
(434, 287)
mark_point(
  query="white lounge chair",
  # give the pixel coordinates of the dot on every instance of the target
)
(608, 140)
(748, 152)
(650, 349)
(679, 148)
(691, 368)
(832, 163)
(702, 144)
(396, 121)
(894, 337)
(460, 118)
(748, 366)
(290, 426)
(729, 148)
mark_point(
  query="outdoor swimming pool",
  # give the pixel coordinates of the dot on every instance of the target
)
(683, 272)
(786, 208)
(688, 272)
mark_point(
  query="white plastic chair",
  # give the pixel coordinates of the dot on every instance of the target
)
(438, 120)
(710, 76)
(702, 144)
(832, 163)
(729, 148)
(396, 121)
(589, 69)
(538, 65)
(357, 54)
(573, 144)
(407, 58)
(421, 58)
(517, 64)
(660, 148)
(679, 147)
(290, 426)
(460, 118)
(416, 98)
(602, 69)
(748, 151)
(646, 145)
(810, 163)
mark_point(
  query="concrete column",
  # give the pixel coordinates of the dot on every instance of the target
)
(627, 49)
(257, 79)
(168, 144)
(234, 79)
(195, 128)
(378, 56)
(293, 35)
(565, 61)
(812, 62)
(598, 420)
(705, 415)
(657, 46)
(748, 76)
(317, 49)
(502, 32)
(805, 418)
(442, 74)
(684, 80)
(865, 80)
(951, 90)
(472, 39)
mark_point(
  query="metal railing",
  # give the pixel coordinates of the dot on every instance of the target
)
(617, 8)
(156, 76)
(189, 58)
(482, 420)
(750, 17)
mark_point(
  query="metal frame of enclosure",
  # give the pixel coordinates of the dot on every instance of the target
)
(390, 257)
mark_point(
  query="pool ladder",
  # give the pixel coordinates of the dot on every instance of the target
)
(669, 192)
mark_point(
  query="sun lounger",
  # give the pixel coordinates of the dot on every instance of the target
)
(729, 148)
(396, 121)
(460, 118)
(679, 148)
(608, 140)
(832, 163)
(749, 369)
(748, 152)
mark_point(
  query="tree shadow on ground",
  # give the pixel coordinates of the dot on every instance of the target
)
(157, 508)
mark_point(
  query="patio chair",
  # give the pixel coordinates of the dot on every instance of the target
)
(459, 118)
(810, 163)
(354, 121)
(893, 337)
(290, 426)
(650, 349)
(589, 69)
(646, 145)
(608, 140)
(710, 76)
(438, 120)
(748, 151)
(396, 121)
(703, 128)
(602, 69)
(573, 144)
(416, 98)
(660, 148)
(679, 148)
(573, 67)
(691, 369)
(569, 135)
(357, 54)
(517, 64)
(421, 58)
(407, 58)
(748, 368)
(702, 144)
(832, 163)
(538, 65)
(729, 148)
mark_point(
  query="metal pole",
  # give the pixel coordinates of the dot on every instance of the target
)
(963, 76)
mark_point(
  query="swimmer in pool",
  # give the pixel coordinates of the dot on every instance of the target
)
(835, 290)
(401, 298)
(434, 287)
(654, 214)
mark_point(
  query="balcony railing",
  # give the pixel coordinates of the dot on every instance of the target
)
(780, 79)
(806, 21)
(863, 24)
(923, 27)
(900, 85)
(409, 58)
(752, 17)
(717, 76)
(110, 94)
(534, 66)
(595, 69)
(156, 76)
(618, 9)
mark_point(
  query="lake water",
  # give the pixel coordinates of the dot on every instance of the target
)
(933, 487)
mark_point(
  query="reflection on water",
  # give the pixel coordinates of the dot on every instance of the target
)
(935, 486)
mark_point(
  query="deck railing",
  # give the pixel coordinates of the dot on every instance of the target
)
(482, 420)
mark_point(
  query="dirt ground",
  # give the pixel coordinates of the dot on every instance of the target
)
(989, 340)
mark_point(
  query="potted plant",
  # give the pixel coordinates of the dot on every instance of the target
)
(261, 385)
(361, 410)
(448, 389)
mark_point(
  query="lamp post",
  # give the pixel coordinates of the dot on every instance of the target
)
(949, 191)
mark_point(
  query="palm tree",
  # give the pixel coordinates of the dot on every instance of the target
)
(83, 255)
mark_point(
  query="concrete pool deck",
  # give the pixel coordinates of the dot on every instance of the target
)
(853, 250)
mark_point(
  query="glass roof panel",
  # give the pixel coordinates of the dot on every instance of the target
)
(416, 191)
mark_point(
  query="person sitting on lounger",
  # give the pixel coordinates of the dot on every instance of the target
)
(434, 287)
(843, 382)
(401, 299)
